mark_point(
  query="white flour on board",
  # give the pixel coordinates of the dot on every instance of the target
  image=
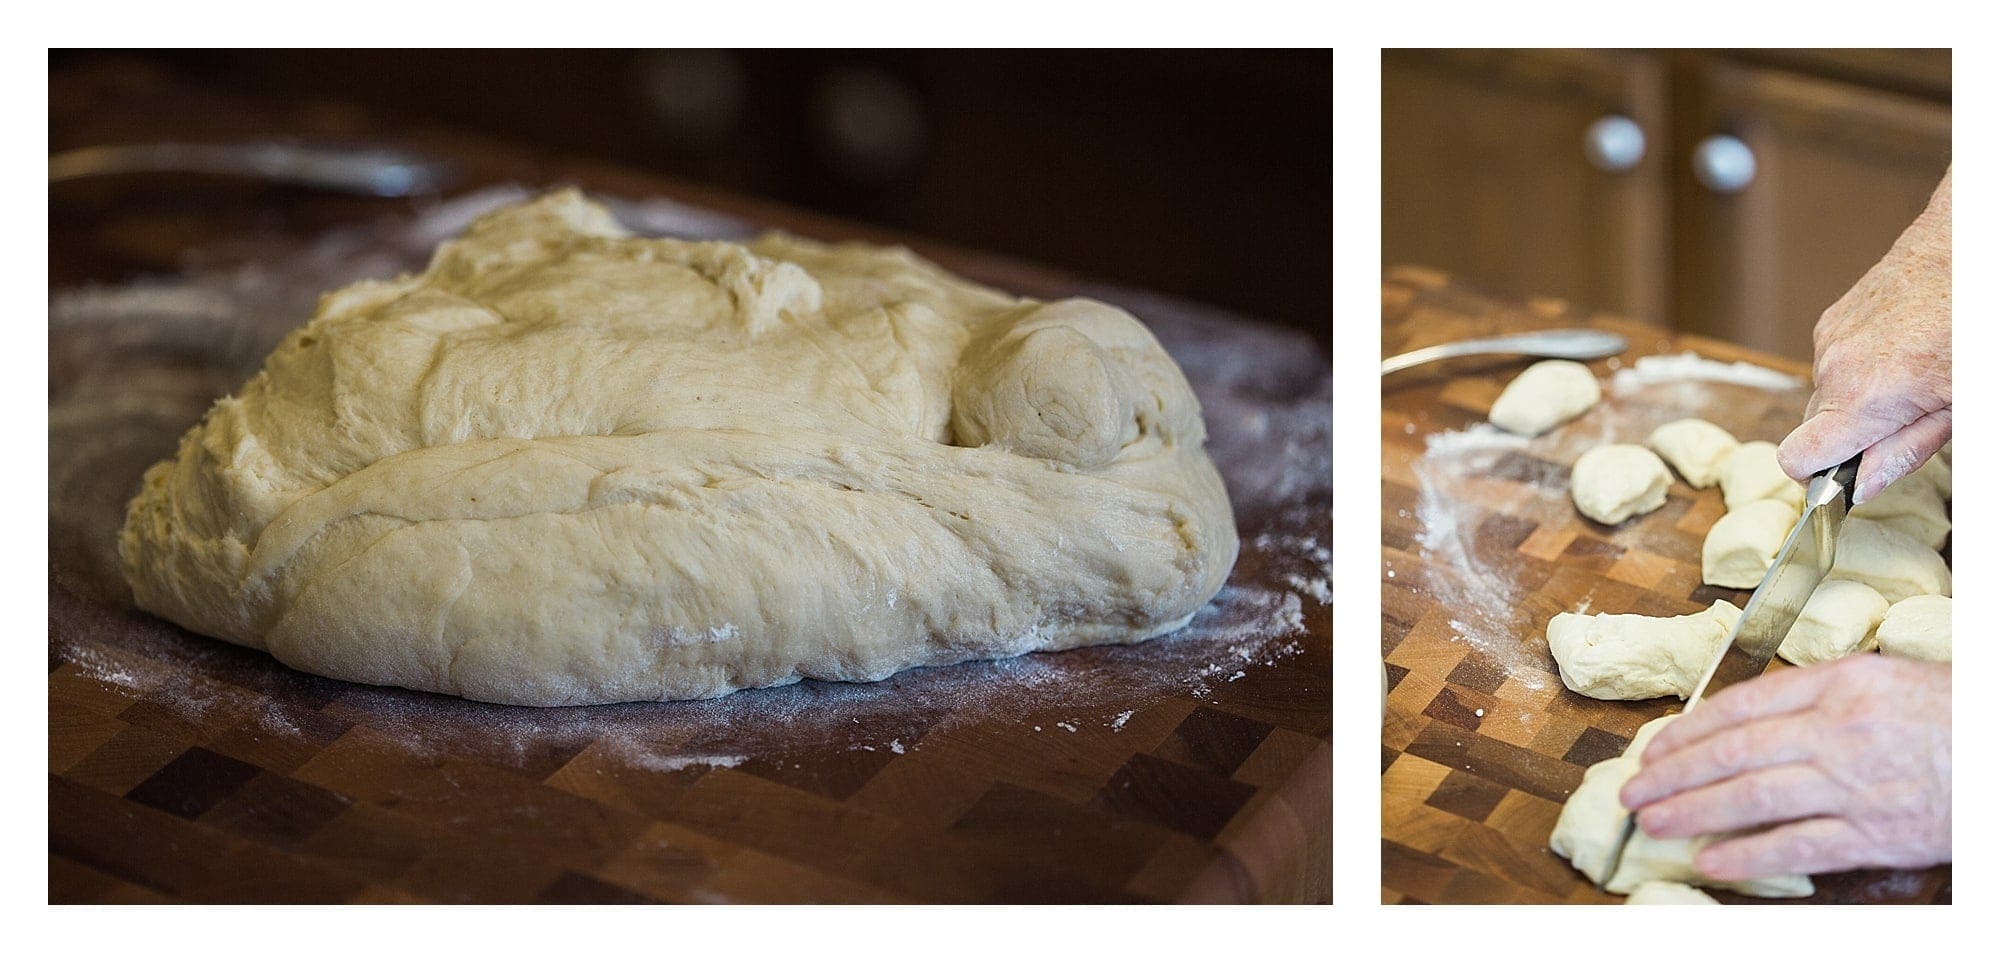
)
(115, 407)
(1688, 366)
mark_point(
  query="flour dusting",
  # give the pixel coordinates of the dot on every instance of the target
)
(1689, 366)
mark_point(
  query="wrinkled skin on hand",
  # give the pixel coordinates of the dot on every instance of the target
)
(1835, 766)
(1882, 363)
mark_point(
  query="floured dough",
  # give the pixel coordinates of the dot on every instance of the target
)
(1587, 831)
(1618, 481)
(1752, 473)
(1623, 657)
(1838, 620)
(1913, 505)
(1696, 448)
(565, 465)
(1664, 892)
(1743, 544)
(1546, 394)
(1918, 627)
(1897, 565)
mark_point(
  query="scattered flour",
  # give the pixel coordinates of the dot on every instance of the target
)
(1689, 366)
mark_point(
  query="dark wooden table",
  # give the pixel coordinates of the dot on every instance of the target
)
(1192, 768)
(1481, 743)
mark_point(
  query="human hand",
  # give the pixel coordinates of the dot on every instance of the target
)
(1882, 363)
(1848, 762)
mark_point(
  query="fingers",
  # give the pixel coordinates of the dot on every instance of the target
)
(1829, 437)
(1811, 846)
(1766, 696)
(1787, 792)
(1901, 453)
(1739, 750)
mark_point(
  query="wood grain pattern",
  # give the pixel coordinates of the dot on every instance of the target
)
(1481, 743)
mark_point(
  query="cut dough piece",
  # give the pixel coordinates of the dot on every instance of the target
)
(1896, 564)
(1838, 620)
(1544, 395)
(1626, 657)
(1696, 448)
(566, 465)
(1741, 546)
(1753, 474)
(1587, 831)
(1618, 481)
(1918, 627)
(1913, 505)
(1938, 470)
(1665, 891)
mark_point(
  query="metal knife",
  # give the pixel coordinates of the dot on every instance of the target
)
(1802, 564)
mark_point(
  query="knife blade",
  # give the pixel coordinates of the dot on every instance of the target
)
(1802, 563)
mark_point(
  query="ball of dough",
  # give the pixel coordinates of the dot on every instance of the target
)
(1587, 830)
(1743, 544)
(1918, 627)
(1752, 473)
(1618, 481)
(1625, 657)
(1665, 892)
(566, 465)
(1546, 394)
(1897, 565)
(1913, 506)
(1696, 448)
(1838, 620)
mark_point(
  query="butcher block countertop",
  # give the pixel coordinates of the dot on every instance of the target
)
(1481, 743)
(1194, 767)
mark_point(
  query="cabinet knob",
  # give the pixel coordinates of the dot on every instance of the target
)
(1724, 164)
(1614, 143)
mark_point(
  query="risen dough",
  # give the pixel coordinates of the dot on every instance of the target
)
(1918, 627)
(1622, 657)
(1838, 620)
(1587, 830)
(565, 465)
(1897, 565)
(1752, 473)
(1697, 449)
(1544, 395)
(1618, 481)
(1913, 505)
(1664, 892)
(1741, 546)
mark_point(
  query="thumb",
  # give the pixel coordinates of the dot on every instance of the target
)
(1828, 438)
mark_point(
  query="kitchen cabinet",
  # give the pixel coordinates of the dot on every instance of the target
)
(1731, 193)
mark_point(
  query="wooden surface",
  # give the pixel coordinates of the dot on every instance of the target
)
(1192, 768)
(1481, 743)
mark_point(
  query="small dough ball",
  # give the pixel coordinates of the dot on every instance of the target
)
(1752, 473)
(1912, 505)
(1666, 891)
(1618, 481)
(1741, 546)
(1051, 393)
(1838, 620)
(1587, 831)
(1544, 395)
(1918, 627)
(1696, 448)
(1626, 657)
(1896, 564)
(1938, 470)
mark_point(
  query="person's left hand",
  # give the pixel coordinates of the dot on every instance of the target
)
(1847, 762)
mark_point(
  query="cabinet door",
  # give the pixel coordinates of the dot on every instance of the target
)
(1839, 172)
(1486, 173)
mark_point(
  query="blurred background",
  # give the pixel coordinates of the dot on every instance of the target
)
(1200, 174)
(1733, 193)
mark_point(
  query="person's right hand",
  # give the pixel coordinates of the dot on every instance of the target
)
(1882, 363)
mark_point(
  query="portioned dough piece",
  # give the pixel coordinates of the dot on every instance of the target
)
(1896, 564)
(1623, 657)
(1664, 892)
(1546, 394)
(1696, 448)
(1741, 546)
(1838, 620)
(1938, 470)
(1918, 627)
(1752, 473)
(1913, 506)
(567, 465)
(1618, 481)
(1587, 831)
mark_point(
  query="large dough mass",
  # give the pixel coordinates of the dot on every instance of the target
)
(565, 465)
